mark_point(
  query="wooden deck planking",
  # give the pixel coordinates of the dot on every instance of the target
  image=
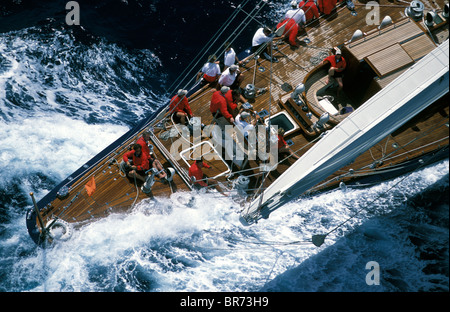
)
(108, 180)
(389, 36)
(389, 60)
(419, 47)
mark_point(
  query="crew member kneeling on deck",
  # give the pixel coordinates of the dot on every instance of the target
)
(233, 97)
(337, 68)
(310, 9)
(262, 43)
(137, 163)
(218, 106)
(210, 72)
(326, 6)
(143, 141)
(290, 31)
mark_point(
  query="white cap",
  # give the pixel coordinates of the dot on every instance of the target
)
(224, 89)
(234, 67)
(182, 92)
(294, 3)
(245, 115)
(338, 51)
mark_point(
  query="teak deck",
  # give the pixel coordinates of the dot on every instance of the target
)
(407, 40)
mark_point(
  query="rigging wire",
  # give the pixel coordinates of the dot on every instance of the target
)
(319, 238)
(203, 51)
(216, 37)
(192, 66)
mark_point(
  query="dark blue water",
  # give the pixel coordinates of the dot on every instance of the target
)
(66, 92)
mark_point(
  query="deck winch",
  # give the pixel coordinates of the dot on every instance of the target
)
(150, 180)
(241, 185)
(415, 10)
(63, 192)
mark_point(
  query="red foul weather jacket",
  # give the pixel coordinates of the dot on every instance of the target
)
(219, 103)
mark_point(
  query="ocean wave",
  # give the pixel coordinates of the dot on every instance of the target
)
(53, 73)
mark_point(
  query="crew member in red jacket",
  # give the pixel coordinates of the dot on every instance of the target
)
(310, 9)
(143, 141)
(196, 173)
(179, 107)
(337, 67)
(137, 163)
(198, 178)
(326, 6)
(290, 31)
(233, 97)
(218, 106)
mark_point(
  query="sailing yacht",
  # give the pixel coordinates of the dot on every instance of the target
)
(389, 117)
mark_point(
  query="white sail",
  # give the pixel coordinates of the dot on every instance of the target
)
(405, 97)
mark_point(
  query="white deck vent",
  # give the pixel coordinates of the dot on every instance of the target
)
(429, 19)
(387, 20)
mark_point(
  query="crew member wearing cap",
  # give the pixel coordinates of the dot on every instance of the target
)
(210, 72)
(231, 77)
(144, 141)
(244, 121)
(219, 107)
(310, 9)
(337, 67)
(179, 107)
(296, 13)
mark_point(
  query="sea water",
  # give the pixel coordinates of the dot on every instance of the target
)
(66, 93)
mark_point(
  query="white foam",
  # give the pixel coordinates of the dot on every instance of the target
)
(55, 144)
